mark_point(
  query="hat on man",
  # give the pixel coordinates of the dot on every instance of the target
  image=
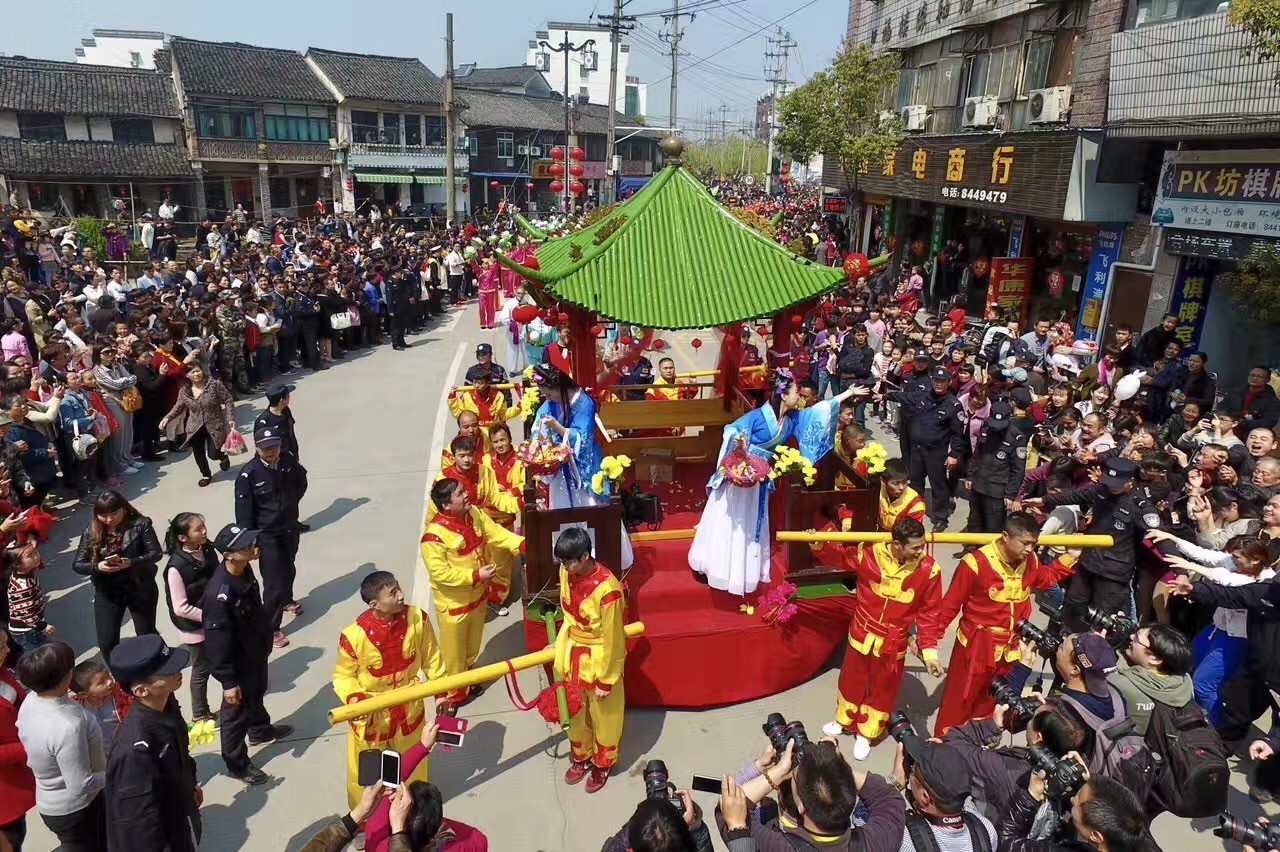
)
(921, 356)
(278, 390)
(942, 769)
(1118, 472)
(1000, 417)
(1096, 659)
(138, 658)
(484, 349)
(1020, 397)
(940, 374)
(1016, 373)
(265, 436)
(234, 537)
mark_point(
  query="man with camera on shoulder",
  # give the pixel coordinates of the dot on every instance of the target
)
(825, 790)
(1105, 816)
(659, 824)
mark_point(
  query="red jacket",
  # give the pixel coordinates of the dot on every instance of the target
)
(17, 784)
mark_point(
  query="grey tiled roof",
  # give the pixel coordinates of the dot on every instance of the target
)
(235, 70)
(493, 109)
(71, 88)
(379, 78)
(92, 159)
(514, 76)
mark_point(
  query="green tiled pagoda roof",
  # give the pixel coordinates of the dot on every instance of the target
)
(671, 257)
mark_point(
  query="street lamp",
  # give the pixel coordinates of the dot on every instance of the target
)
(566, 47)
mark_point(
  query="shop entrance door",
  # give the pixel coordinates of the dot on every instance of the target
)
(1130, 293)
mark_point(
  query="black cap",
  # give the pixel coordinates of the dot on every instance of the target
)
(942, 769)
(1118, 472)
(484, 349)
(265, 436)
(921, 356)
(1021, 397)
(1000, 417)
(940, 374)
(1096, 659)
(278, 390)
(137, 658)
(234, 537)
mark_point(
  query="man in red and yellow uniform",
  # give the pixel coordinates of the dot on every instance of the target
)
(591, 651)
(898, 585)
(384, 649)
(508, 470)
(897, 498)
(459, 547)
(992, 585)
(489, 406)
(665, 388)
(468, 427)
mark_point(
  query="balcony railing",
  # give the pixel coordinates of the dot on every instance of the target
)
(262, 150)
(369, 155)
(1189, 72)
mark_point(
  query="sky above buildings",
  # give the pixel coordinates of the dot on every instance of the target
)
(726, 38)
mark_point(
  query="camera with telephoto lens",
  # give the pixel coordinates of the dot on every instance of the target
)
(1063, 776)
(900, 728)
(1253, 834)
(1119, 628)
(1048, 640)
(657, 784)
(780, 732)
(1020, 709)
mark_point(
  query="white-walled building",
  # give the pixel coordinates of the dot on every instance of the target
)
(589, 69)
(120, 48)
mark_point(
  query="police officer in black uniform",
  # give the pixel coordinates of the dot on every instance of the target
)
(935, 422)
(1104, 575)
(403, 299)
(485, 364)
(153, 799)
(237, 637)
(997, 468)
(916, 382)
(268, 491)
(278, 416)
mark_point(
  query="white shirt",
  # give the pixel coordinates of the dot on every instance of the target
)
(166, 211)
(119, 290)
(253, 235)
(148, 234)
(454, 263)
(92, 293)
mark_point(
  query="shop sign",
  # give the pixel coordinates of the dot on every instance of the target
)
(1218, 246)
(1106, 249)
(593, 170)
(1015, 235)
(1010, 286)
(935, 238)
(835, 204)
(540, 170)
(1056, 281)
(1191, 299)
(1235, 192)
(1017, 172)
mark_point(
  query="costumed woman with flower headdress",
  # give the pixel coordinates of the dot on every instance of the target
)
(732, 544)
(568, 416)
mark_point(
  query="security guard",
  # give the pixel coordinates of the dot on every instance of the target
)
(485, 364)
(268, 491)
(278, 416)
(237, 638)
(403, 299)
(935, 423)
(1104, 575)
(916, 382)
(155, 800)
(997, 468)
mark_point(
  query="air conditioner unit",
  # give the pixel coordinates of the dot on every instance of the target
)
(542, 61)
(914, 117)
(535, 150)
(981, 111)
(1046, 106)
(887, 115)
(522, 150)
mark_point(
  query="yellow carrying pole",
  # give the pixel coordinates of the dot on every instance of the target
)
(1068, 541)
(439, 686)
(499, 386)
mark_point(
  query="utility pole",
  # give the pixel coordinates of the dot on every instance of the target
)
(566, 47)
(618, 24)
(450, 132)
(673, 38)
(776, 53)
(724, 121)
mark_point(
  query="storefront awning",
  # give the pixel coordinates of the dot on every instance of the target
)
(378, 177)
(438, 180)
(502, 175)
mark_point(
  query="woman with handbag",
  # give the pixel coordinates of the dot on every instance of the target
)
(119, 552)
(79, 422)
(118, 389)
(205, 412)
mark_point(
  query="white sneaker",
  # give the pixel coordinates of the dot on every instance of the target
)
(835, 729)
(861, 748)
(128, 471)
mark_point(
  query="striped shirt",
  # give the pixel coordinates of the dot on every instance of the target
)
(26, 603)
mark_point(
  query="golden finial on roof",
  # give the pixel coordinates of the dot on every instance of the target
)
(673, 147)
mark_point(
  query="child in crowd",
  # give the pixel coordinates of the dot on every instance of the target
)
(27, 625)
(13, 343)
(97, 691)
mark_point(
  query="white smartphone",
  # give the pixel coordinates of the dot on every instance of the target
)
(391, 769)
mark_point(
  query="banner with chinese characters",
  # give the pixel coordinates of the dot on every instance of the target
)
(1191, 298)
(1010, 284)
(1014, 172)
(1233, 192)
(1106, 250)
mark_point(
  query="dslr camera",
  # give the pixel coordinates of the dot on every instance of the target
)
(901, 729)
(1020, 709)
(1063, 776)
(780, 732)
(1119, 628)
(1253, 834)
(657, 784)
(1047, 640)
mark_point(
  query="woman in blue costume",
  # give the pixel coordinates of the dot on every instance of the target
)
(568, 415)
(732, 544)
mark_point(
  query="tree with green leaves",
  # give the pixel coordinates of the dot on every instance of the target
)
(837, 112)
(1261, 20)
(1255, 284)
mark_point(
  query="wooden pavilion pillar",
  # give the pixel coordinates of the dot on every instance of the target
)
(582, 352)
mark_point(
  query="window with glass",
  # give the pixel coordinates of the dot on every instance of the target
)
(1146, 13)
(364, 126)
(42, 127)
(225, 123)
(506, 144)
(391, 128)
(906, 86)
(924, 85)
(433, 130)
(1002, 69)
(1036, 71)
(413, 130)
(296, 123)
(133, 131)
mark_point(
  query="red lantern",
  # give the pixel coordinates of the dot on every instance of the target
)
(763, 331)
(564, 318)
(577, 170)
(659, 345)
(797, 320)
(784, 178)
(577, 187)
(557, 187)
(981, 267)
(696, 343)
(1056, 280)
(557, 153)
(918, 247)
(556, 170)
(626, 341)
(597, 330)
(857, 266)
(493, 184)
(575, 153)
(892, 242)
(731, 339)
(531, 262)
(525, 314)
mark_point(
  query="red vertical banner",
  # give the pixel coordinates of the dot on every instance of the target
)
(1010, 284)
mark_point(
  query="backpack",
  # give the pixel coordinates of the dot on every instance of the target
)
(998, 337)
(1118, 752)
(1195, 778)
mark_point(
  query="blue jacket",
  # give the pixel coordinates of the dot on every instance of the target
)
(75, 409)
(40, 466)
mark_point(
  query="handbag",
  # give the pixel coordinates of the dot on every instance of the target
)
(131, 400)
(354, 315)
(84, 446)
(340, 321)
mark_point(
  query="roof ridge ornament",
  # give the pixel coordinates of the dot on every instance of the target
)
(673, 147)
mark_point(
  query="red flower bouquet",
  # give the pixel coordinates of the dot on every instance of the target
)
(743, 469)
(541, 458)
